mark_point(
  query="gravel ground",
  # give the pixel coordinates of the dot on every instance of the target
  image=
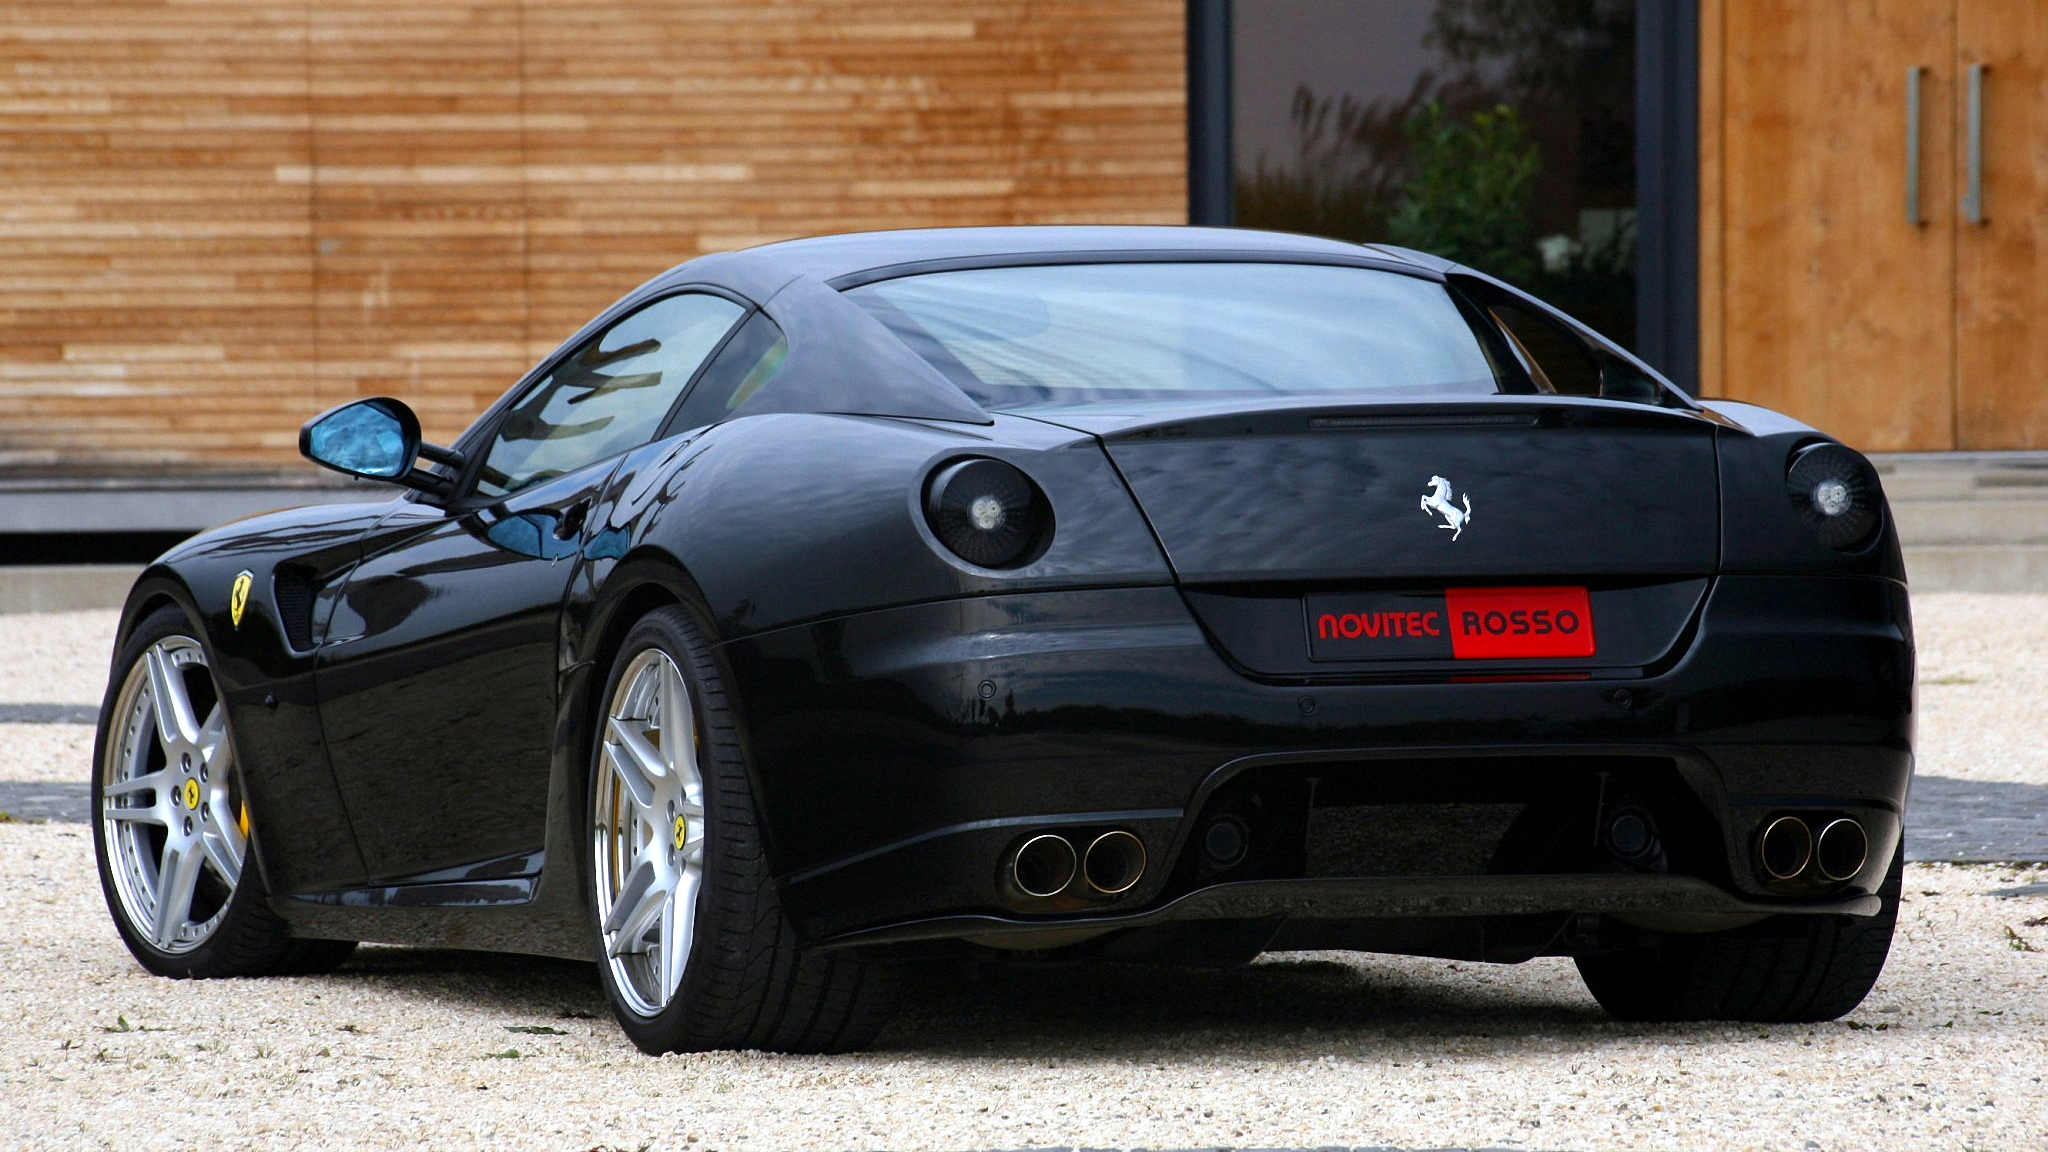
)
(46, 753)
(1982, 681)
(409, 1049)
(414, 1049)
(56, 657)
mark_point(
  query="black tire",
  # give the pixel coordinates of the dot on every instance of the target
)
(746, 983)
(250, 939)
(1787, 970)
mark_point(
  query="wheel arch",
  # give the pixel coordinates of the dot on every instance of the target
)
(646, 579)
(162, 586)
(158, 586)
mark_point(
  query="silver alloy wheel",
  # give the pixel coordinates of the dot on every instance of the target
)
(648, 832)
(171, 814)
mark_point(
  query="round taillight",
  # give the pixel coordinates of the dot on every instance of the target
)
(988, 513)
(1836, 493)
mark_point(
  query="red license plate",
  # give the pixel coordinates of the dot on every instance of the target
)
(1518, 623)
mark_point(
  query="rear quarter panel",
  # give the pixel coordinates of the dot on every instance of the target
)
(783, 518)
(1761, 531)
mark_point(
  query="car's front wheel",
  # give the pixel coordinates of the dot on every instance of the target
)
(694, 950)
(171, 822)
(1785, 970)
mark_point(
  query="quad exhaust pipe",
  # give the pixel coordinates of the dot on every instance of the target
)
(1840, 849)
(1043, 865)
(1048, 864)
(1114, 864)
(1788, 845)
(1785, 847)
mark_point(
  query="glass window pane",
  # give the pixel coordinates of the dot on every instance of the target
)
(743, 367)
(1090, 333)
(608, 396)
(1499, 133)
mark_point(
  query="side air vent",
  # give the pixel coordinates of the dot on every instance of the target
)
(293, 590)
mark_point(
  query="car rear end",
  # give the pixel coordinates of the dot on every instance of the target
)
(1444, 658)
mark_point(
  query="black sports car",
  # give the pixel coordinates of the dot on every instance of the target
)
(1144, 593)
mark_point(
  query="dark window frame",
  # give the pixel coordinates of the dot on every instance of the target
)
(1667, 166)
(672, 424)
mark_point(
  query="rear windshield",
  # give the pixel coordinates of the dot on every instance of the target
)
(1119, 333)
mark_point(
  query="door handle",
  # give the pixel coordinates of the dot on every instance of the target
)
(1913, 78)
(569, 521)
(1973, 194)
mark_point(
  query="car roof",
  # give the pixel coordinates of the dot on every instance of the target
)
(761, 270)
(872, 372)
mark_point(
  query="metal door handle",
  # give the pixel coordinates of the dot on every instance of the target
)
(1973, 194)
(569, 521)
(1913, 77)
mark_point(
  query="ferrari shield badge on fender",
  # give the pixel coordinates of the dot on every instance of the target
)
(238, 596)
(1437, 502)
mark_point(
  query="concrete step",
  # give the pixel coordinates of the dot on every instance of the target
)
(1955, 486)
(65, 587)
(1988, 521)
(1899, 488)
(1978, 567)
(169, 503)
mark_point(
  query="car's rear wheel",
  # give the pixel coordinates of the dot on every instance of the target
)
(171, 822)
(694, 950)
(1789, 969)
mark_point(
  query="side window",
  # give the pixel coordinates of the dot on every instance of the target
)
(1559, 361)
(1555, 360)
(743, 367)
(608, 396)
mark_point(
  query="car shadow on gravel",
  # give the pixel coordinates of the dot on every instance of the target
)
(495, 981)
(1283, 1007)
(1293, 1004)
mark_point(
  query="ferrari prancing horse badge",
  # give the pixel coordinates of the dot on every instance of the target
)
(1438, 502)
(238, 596)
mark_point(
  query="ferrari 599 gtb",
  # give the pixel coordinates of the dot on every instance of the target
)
(1115, 593)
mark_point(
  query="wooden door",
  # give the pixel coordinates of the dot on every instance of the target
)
(1822, 300)
(2002, 262)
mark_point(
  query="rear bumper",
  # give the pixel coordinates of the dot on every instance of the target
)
(1684, 902)
(901, 753)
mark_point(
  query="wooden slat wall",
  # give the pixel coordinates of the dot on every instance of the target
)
(217, 216)
(155, 272)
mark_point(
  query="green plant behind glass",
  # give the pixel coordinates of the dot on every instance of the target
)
(1467, 197)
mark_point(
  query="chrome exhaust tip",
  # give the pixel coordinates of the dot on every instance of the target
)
(1785, 847)
(1841, 849)
(1043, 865)
(1114, 864)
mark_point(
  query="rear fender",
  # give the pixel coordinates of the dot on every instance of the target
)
(1761, 531)
(784, 518)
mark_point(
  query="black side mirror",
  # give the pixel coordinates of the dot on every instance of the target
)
(375, 439)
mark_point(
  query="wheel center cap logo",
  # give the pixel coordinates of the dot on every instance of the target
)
(1438, 502)
(682, 833)
(192, 794)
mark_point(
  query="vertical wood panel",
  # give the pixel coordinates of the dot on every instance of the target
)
(1836, 310)
(2002, 264)
(1712, 283)
(217, 216)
